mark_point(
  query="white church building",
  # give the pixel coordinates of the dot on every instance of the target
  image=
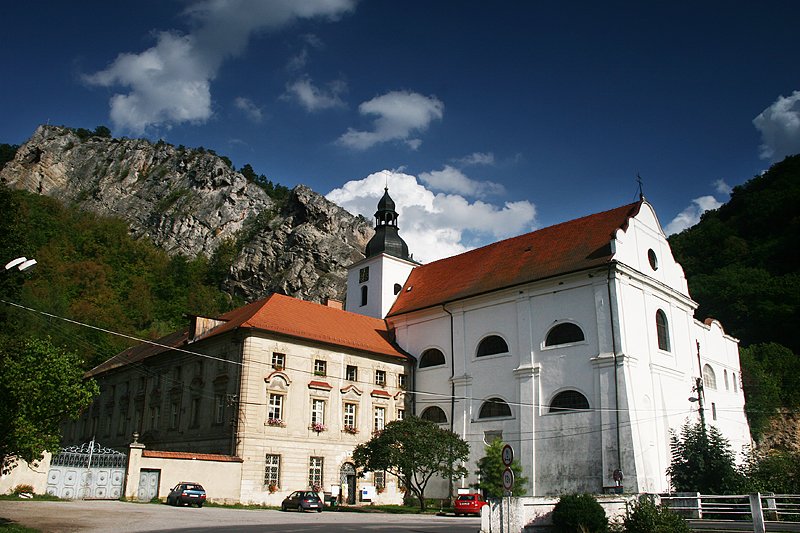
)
(576, 344)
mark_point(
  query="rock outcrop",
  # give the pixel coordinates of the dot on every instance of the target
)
(190, 202)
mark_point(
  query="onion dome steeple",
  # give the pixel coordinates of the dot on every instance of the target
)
(386, 239)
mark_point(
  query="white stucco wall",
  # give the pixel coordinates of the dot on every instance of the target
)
(384, 272)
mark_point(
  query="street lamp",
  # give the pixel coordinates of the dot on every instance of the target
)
(22, 263)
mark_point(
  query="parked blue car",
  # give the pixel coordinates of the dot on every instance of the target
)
(187, 492)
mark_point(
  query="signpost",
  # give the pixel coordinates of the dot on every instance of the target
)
(508, 478)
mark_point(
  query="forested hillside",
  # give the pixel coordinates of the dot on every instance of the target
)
(92, 271)
(743, 267)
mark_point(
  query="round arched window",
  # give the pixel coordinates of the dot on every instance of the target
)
(434, 414)
(494, 408)
(564, 333)
(431, 357)
(653, 259)
(492, 345)
(568, 401)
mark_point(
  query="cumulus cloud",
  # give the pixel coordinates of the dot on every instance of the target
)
(399, 115)
(435, 225)
(779, 125)
(476, 158)
(722, 188)
(452, 180)
(691, 215)
(312, 98)
(250, 109)
(170, 83)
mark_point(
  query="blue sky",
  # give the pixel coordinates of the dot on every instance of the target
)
(486, 119)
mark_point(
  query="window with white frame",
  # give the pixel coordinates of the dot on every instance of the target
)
(351, 374)
(320, 367)
(380, 378)
(155, 413)
(315, 465)
(350, 412)
(272, 471)
(278, 360)
(402, 381)
(380, 479)
(275, 407)
(174, 415)
(317, 411)
(219, 408)
(379, 419)
(401, 414)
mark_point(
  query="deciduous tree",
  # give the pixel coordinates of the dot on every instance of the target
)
(40, 385)
(414, 450)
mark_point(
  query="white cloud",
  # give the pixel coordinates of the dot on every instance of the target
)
(452, 180)
(476, 158)
(312, 98)
(399, 114)
(169, 83)
(691, 215)
(434, 225)
(779, 125)
(722, 188)
(250, 109)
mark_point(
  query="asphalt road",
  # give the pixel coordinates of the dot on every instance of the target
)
(123, 517)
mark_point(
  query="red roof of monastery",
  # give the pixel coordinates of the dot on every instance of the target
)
(283, 315)
(567, 247)
(191, 456)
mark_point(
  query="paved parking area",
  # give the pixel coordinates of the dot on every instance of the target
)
(123, 517)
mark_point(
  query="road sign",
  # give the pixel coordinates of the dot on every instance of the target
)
(508, 479)
(508, 455)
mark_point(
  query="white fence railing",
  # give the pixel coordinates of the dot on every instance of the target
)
(762, 510)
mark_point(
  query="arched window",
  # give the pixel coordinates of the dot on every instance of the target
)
(709, 377)
(431, 357)
(434, 414)
(397, 288)
(564, 333)
(494, 408)
(492, 345)
(568, 401)
(364, 295)
(662, 330)
(725, 377)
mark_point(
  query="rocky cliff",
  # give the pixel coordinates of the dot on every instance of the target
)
(191, 202)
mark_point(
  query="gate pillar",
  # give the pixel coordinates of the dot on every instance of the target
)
(134, 468)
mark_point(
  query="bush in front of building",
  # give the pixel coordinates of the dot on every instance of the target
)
(579, 513)
(644, 516)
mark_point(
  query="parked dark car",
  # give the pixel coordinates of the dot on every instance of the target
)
(187, 492)
(302, 500)
(469, 504)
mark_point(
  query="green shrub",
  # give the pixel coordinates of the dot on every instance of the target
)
(579, 513)
(646, 517)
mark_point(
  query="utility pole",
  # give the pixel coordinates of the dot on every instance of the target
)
(699, 389)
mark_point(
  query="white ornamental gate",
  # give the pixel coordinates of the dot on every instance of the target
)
(88, 471)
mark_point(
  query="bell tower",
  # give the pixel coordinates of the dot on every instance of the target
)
(374, 282)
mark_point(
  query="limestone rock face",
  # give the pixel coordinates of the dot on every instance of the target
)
(190, 201)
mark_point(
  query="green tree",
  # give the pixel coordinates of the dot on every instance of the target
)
(778, 472)
(414, 450)
(579, 513)
(102, 131)
(41, 385)
(490, 472)
(768, 379)
(702, 461)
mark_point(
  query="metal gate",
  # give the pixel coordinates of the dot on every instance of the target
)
(88, 471)
(148, 485)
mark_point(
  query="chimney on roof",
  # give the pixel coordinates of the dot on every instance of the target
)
(331, 302)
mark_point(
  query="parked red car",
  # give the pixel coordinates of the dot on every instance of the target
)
(469, 504)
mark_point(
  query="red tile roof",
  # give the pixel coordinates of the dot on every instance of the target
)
(191, 456)
(319, 385)
(283, 315)
(380, 393)
(568, 247)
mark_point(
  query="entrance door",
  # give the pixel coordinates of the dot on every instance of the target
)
(148, 485)
(347, 477)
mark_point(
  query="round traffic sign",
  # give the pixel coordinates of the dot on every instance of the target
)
(508, 455)
(508, 479)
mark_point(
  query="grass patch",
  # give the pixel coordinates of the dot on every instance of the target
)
(39, 497)
(11, 527)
